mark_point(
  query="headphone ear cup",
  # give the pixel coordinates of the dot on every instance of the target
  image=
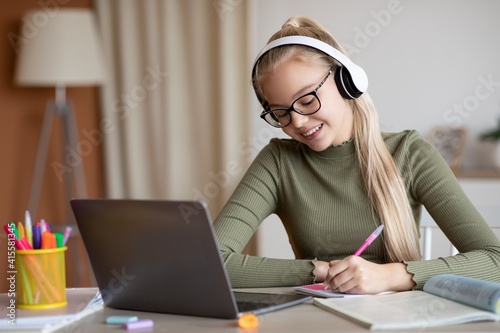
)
(345, 85)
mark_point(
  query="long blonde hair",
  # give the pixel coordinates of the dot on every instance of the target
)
(380, 175)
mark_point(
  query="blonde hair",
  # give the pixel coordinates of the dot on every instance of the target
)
(380, 175)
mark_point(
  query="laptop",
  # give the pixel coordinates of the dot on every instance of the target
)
(162, 256)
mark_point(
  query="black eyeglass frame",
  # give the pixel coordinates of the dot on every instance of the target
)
(291, 108)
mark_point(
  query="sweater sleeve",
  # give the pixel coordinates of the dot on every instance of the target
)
(435, 186)
(254, 199)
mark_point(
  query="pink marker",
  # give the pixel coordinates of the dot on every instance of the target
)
(140, 324)
(23, 244)
(67, 232)
(369, 240)
(43, 226)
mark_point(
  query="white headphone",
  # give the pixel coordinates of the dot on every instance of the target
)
(351, 79)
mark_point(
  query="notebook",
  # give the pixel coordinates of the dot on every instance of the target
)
(162, 256)
(318, 290)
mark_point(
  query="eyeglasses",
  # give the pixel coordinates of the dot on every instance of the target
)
(305, 105)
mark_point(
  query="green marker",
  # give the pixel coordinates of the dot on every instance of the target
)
(59, 239)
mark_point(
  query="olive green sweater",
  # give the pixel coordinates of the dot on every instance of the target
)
(322, 203)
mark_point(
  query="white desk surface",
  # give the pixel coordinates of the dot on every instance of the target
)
(301, 318)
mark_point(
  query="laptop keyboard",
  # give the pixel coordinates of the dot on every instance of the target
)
(263, 302)
(250, 301)
(250, 306)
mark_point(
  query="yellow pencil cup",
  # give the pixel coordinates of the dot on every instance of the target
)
(41, 278)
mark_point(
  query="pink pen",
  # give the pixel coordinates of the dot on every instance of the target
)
(369, 240)
(363, 246)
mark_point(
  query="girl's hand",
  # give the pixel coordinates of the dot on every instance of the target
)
(355, 275)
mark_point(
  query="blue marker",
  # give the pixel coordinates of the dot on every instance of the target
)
(37, 237)
(120, 320)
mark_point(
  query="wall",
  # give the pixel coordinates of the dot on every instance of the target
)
(430, 63)
(21, 113)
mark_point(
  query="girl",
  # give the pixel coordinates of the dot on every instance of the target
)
(338, 178)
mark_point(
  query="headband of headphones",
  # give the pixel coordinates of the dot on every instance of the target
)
(350, 78)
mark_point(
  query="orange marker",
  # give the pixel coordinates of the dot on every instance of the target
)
(48, 240)
(248, 321)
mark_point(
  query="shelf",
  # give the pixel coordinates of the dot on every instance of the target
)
(488, 173)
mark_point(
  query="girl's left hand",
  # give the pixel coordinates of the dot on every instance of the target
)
(355, 275)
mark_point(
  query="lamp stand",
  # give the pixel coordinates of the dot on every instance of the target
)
(61, 108)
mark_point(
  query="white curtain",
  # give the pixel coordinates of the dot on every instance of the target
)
(175, 110)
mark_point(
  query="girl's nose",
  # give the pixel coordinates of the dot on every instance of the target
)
(298, 120)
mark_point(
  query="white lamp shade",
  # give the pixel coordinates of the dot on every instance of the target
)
(60, 48)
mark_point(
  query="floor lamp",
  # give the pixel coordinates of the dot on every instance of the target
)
(59, 49)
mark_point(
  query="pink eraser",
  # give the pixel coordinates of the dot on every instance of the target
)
(135, 325)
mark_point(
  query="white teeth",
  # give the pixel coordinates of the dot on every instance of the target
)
(312, 131)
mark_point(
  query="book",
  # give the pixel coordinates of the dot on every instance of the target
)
(446, 300)
(81, 303)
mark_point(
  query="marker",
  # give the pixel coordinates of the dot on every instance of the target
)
(120, 320)
(23, 242)
(369, 240)
(140, 324)
(43, 225)
(48, 240)
(28, 227)
(248, 321)
(21, 246)
(59, 239)
(37, 237)
(67, 232)
(20, 230)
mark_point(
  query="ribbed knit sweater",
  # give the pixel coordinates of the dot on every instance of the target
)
(323, 205)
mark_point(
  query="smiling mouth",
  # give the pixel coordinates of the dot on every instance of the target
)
(312, 131)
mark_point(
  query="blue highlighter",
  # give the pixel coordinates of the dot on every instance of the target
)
(37, 237)
(120, 320)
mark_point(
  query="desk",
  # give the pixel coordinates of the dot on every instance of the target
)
(301, 318)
